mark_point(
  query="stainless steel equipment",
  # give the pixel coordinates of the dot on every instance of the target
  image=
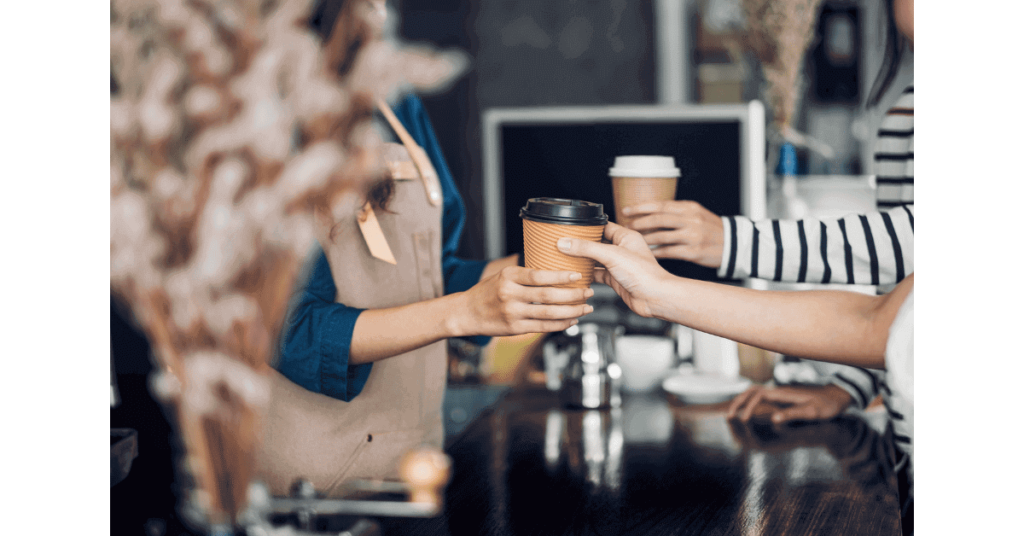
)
(592, 379)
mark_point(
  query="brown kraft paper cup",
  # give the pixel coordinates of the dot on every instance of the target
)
(546, 220)
(540, 245)
(631, 191)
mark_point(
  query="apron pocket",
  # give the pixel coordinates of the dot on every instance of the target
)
(423, 244)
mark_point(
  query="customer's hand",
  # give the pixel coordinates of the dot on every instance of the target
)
(629, 267)
(792, 403)
(684, 230)
(521, 300)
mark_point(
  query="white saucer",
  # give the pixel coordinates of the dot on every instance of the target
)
(701, 388)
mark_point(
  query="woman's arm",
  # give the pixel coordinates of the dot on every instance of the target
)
(835, 326)
(843, 327)
(514, 301)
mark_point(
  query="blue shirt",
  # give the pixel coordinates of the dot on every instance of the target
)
(318, 332)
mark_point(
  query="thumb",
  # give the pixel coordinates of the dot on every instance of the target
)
(602, 253)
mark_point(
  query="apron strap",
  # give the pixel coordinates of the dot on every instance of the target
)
(419, 156)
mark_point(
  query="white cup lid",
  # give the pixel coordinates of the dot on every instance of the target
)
(644, 166)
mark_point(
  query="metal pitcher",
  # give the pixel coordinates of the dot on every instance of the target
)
(591, 379)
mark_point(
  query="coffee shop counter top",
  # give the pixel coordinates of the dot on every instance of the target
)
(656, 466)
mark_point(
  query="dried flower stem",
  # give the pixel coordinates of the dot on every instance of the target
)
(779, 32)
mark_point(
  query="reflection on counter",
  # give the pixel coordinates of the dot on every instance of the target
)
(647, 419)
(464, 403)
(531, 466)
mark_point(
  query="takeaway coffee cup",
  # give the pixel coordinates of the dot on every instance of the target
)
(640, 179)
(546, 219)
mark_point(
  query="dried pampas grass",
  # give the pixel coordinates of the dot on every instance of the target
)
(229, 129)
(779, 32)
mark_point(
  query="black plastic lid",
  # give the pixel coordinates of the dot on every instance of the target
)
(564, 211)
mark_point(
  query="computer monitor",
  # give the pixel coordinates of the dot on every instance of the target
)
(566, 152)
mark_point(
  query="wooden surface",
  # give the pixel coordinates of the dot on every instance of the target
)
(656, 467)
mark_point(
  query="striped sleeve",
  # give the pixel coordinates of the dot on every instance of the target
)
(862, 384)
(864, 249)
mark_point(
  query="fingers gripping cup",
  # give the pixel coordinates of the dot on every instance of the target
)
(546, 219)
(641, 179)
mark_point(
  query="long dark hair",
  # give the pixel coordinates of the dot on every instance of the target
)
(895, 45)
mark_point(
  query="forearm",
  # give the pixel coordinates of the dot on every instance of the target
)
(841, 327)
(384, 333)
(515, 301)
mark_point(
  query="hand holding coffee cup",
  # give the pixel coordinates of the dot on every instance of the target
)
(628, 266)
(546, 219)
(682, 230)
(642, 179)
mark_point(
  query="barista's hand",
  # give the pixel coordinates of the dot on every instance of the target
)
(684, 230)
(800, 403)
(629, 266)
(521, 300)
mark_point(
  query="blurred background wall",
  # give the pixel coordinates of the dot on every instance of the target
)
(587, 52)
(528, 53)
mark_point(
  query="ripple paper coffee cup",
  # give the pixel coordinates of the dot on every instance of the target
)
(546, 219)
(641, 179)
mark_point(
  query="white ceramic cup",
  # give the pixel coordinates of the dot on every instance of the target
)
(715, 355)
(644, 360)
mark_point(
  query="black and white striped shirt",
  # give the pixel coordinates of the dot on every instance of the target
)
(865, 249)
(874, 249)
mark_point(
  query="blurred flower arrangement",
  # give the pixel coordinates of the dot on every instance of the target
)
(779, 32)
(232, 126)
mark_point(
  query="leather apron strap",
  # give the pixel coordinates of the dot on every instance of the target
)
(427, 172)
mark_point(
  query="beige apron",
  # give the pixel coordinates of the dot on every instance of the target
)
(328, 441)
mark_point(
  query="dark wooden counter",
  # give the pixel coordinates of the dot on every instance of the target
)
(653, 467)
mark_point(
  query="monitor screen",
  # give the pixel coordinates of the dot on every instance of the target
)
(566, 153)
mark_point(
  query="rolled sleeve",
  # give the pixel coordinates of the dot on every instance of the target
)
(339, 379)
(317, 339)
